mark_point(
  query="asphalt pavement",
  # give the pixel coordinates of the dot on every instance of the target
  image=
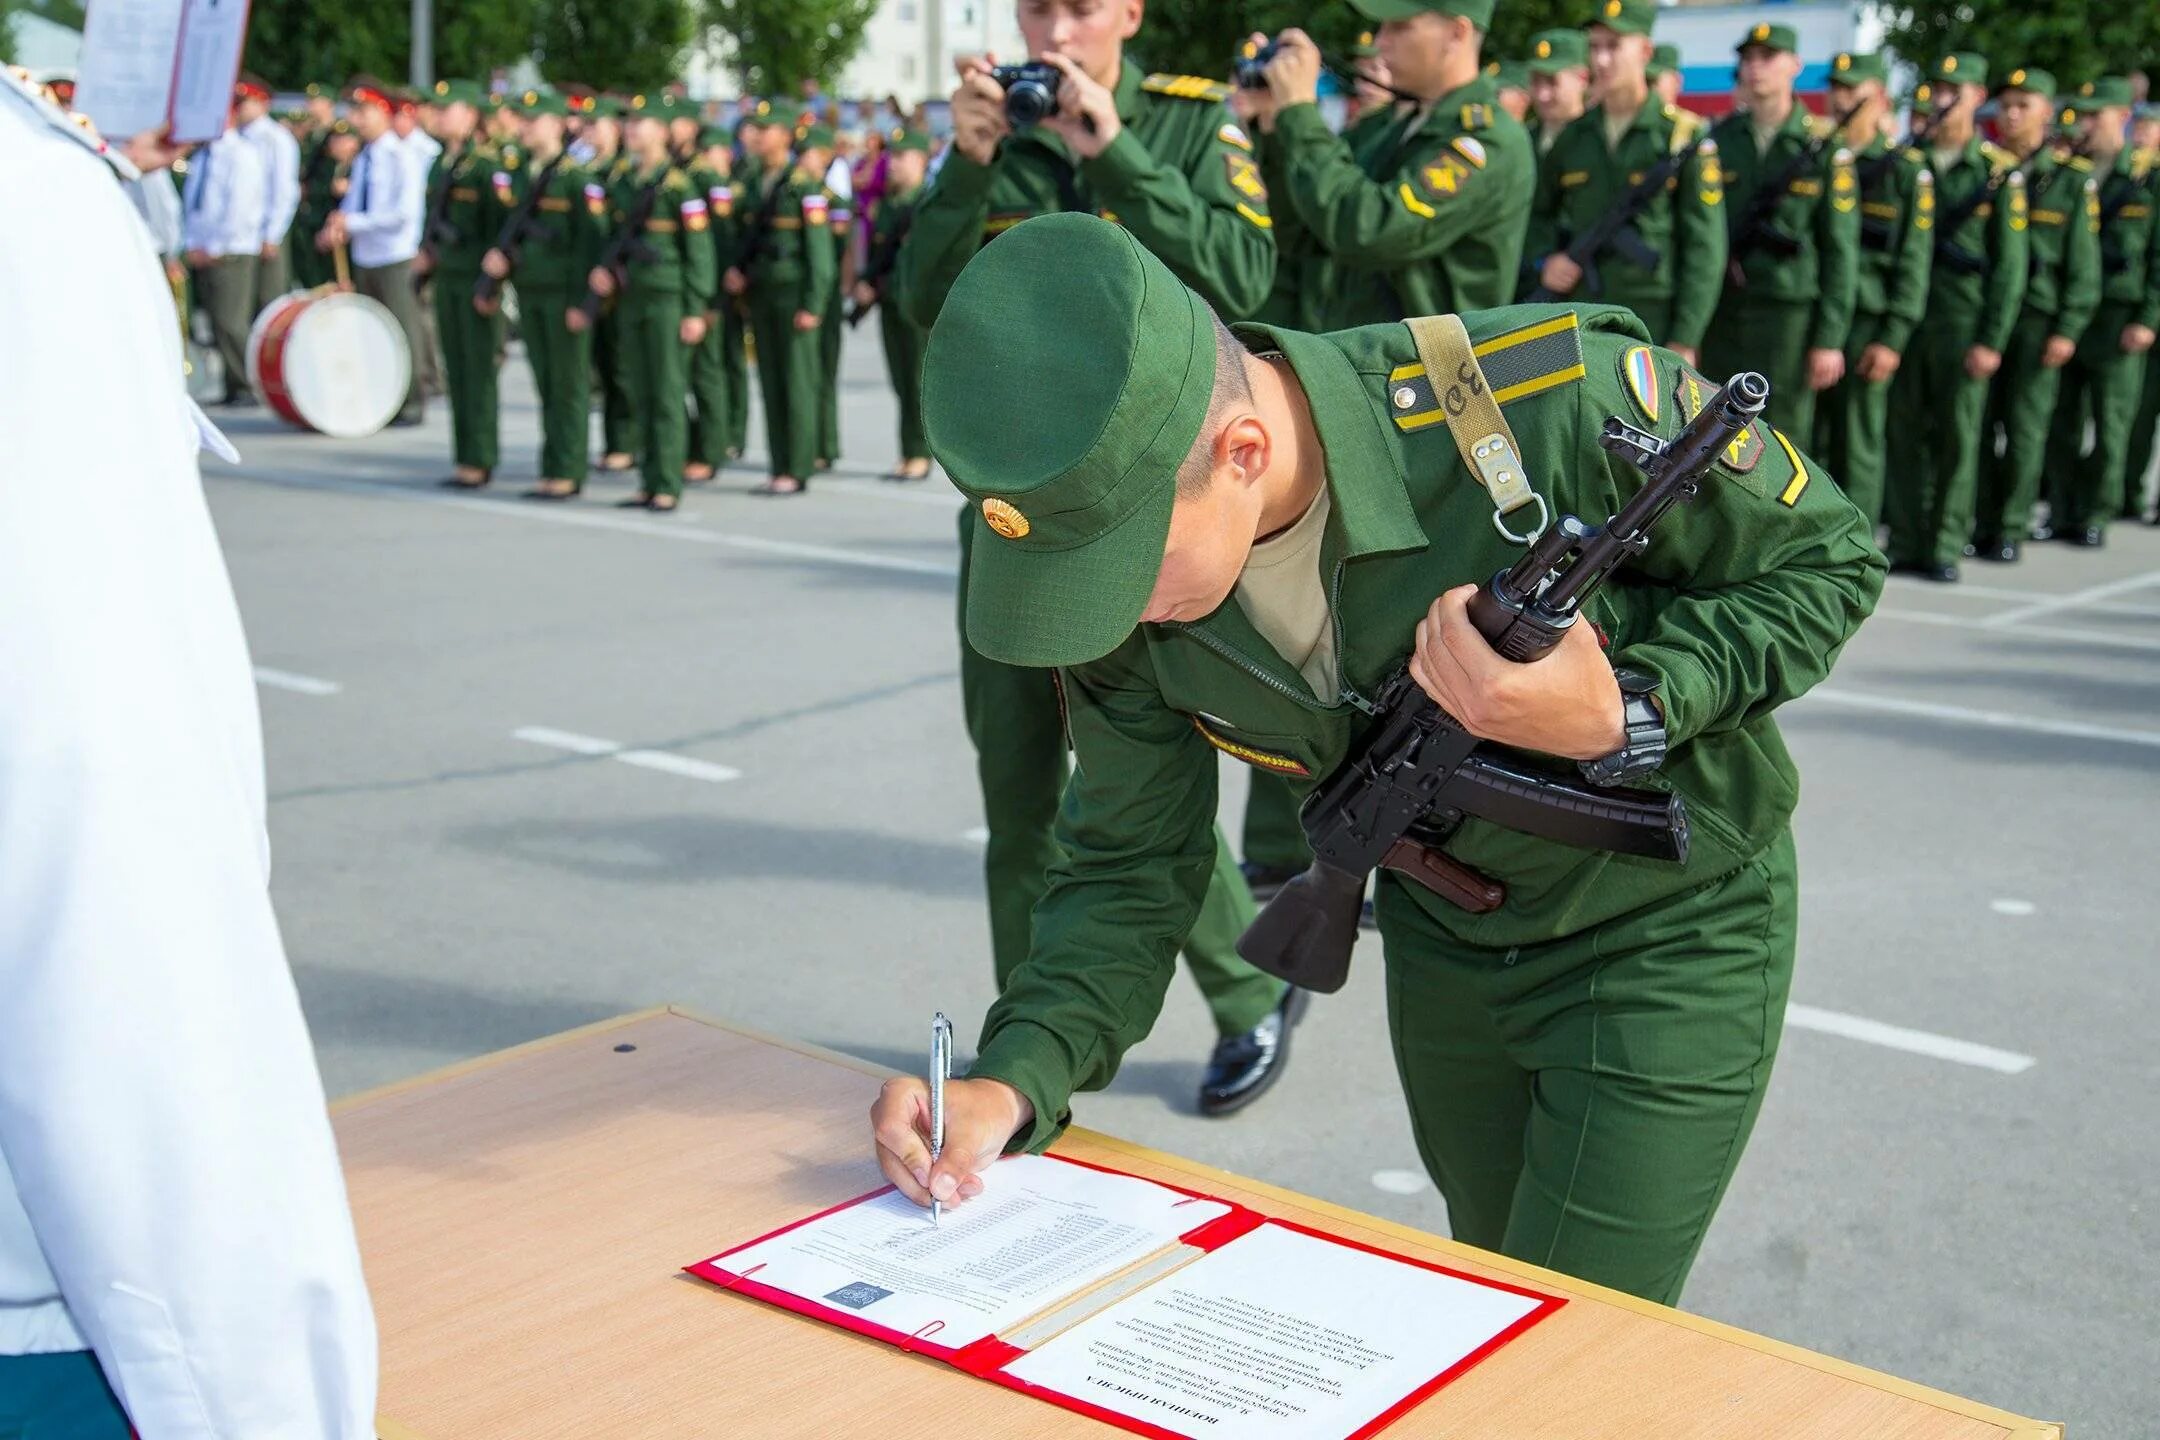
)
(535, 765)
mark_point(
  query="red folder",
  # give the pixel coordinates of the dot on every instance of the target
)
(987, 1358)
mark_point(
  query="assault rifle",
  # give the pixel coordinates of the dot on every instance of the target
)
(520, 227)
(627, 244)
(1755, 228)
(759, 234)
(1949, 254)
(1875, 234)
(1416, 773)
(883, 257)
(1615, 229)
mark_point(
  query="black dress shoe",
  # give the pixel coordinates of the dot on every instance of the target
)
(1265, 880)
(1244, 1066)
(2042, 530)
(2002, 551)
(2092, 537)
(1940, 574)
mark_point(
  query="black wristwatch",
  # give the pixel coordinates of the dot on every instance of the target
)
(1644, 749)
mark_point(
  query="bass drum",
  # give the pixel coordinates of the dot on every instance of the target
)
(330, 361)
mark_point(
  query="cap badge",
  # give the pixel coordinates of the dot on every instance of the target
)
(1762, 32)
(1612, 9)
(1005, 518)
(2017, 77)
(1544, 49)
(1844, 62)
(1949, 64)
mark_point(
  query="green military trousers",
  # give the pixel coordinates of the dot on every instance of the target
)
(562, 376)
(904, 343)
(58, 1397)
(657, 366)
(226, 287)
(1770, 336)
(709, 389)
(2021, 401)
(2101, 384)
(735, 335)
(470, 342)
(2144, 441)
(618, 406)
(391, 286)
(790, 370)
(1852, 425)
(1273, 836)
(828, 412)
(1935, 415)
(309, 266)
(1014, 720)
(1582, 1104)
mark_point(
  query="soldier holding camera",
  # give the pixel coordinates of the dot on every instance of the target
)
(1079, 128)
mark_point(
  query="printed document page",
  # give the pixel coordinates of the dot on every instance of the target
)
(1042, 1229)
(125, 80)
(1275, 1336)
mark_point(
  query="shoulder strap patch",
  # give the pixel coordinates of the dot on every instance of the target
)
(1518, 363)
(1187, 87)
(1476, 116)
(1233, 134)
(1684, 125)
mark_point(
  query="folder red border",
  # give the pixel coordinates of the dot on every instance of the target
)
(987, 1358)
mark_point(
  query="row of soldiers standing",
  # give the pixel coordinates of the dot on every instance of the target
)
(647, 253)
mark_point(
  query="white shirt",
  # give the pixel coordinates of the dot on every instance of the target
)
(226, 193)
(170, 1193)
(281, 173)
(384, 209)
(155, 199)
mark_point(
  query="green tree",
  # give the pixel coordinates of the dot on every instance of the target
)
(775, 45)
(2076, 39)
(1199, 37)
(615, 44)
(290, 45)
(9, 9)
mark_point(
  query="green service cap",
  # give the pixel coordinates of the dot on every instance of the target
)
(458, 92)
(1072, 499)
(1365, 47)
(2107, 90)
(1771, 37)
(1961, 68)
(1626, 17)
(662, 107)
(607, 107)
(1663, 61)
(1510, 75)
(908, 140)
(1552, 51)
(816, 137)
(543, 102)
(1477, 12)
(784, 113)
(2031, 78)
(1850, 69)
(2066, 114)
(709, 136)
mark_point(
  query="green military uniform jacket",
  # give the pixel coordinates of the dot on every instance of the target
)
(1429, 219)
(2130, 236)
(1180, 176)
(1580, 179)
(1819, 212)
(319, 189)
(460, 190)
(797, 263)
(2063, 244)
(891, 221)
(563, 242)
(1982, 239)
(1897, 238)
(677, 258)
(1742, 602)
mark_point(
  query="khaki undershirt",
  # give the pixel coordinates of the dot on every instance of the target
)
(1283, 595)
(1618, 124)
(1764, 139)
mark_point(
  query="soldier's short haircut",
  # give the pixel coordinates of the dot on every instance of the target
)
(1233, 389)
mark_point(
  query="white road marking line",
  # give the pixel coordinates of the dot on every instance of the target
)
(1913, 1042)
(682, 527)
(1989, 719)
(1400, 1182)
(2074, 599)
(298, 684)
(2012, 907)
(2099, 638)
(1966, 590)
(659, 760)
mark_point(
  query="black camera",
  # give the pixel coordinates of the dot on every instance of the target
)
(1249, 70)
(1031, 92)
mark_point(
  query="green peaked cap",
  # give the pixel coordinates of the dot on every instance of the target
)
(1065, 380)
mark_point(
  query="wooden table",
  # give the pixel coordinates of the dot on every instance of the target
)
(524, 1218)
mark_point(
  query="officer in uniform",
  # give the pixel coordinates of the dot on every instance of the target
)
(2105, 379)
(784, 224)
(1897, 245)
(2062, 289)
(1670, 272)
(320, 165)
(281, 184)
(604, 136)
(555, 255)
(1583, 1065)
(816, 158)
(710, 380)
(1666, 81)
(2144, 445)
(463, 212)
(1974, 291)
(908, 160)
(1559, 78)
(1160, 153)
(1788, 301)
(662, 294)
(223, 207)
(1431, 216)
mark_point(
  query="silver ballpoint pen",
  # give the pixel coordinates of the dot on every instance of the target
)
(940, 1072)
